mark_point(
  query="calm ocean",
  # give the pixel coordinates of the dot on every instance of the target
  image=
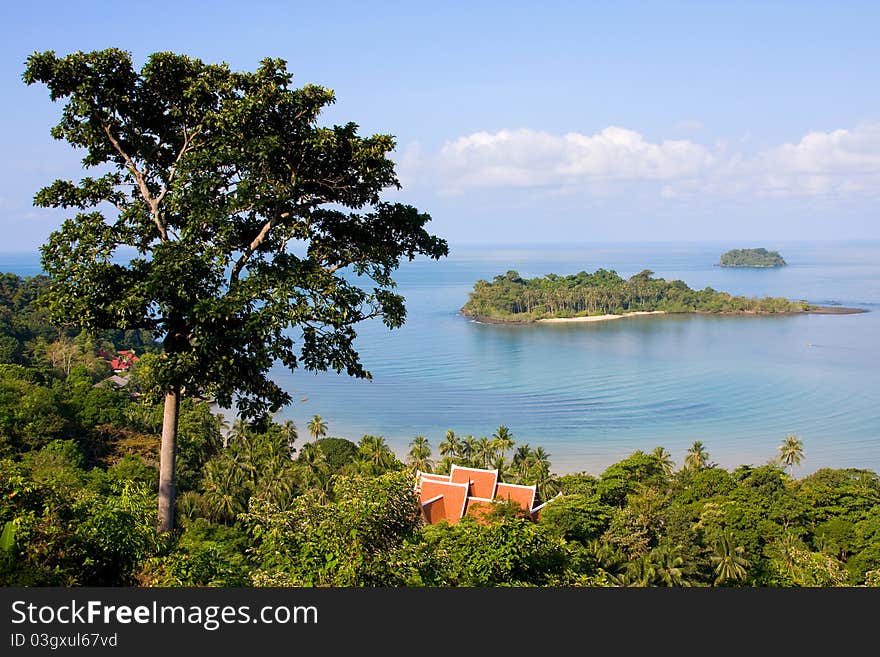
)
(592, 393)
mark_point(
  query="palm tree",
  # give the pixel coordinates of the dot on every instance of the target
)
(317, 427)
(540, 458)
(419, 457)
(608, 558)
(503, 465)
(239, 430)
(639, 573)
(532, 467)
(290, 434)
(728, 560)
(375, 454)
(546, 485)
(445, 465)
(226, 490)
(667, 565)
(664, 458)
(503, 440)
(469, 450)
(451, 445)
(313, 466)
(523, 454)
(276, 483)
(244, 450)
(697, 457)
(485, 451)
(523, 460)
(786, 546)
(224, 427)
(791, 452)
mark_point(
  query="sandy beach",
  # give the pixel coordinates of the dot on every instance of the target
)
(602, 318)
(815, 310)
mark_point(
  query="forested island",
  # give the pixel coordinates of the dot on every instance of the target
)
(751, 258)
(605, 294)
(269, 506)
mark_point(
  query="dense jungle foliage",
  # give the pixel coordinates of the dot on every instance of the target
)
(510, 297)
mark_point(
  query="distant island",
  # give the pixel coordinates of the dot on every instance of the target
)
(604, 295)
(752, 258)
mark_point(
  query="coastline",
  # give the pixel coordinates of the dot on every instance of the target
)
(834, 310)
(601, 318)
(718, 264)
(815, 310)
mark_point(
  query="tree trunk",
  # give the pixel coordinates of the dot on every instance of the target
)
(167, 455)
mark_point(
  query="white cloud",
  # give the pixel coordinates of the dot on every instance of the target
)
(840, 151)
(840, 161)
(613, 160)
(530, 158)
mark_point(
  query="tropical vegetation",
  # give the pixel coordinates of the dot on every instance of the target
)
(751, 258)
(126, 471)
(276, 506)
(224, 220)
(509, 297)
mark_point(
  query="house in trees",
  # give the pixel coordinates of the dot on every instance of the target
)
(469, 492)
(123, 360)
(115, 381)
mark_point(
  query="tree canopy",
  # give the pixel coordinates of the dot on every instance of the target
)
(751, 258)
(223, 219)
(509, 297)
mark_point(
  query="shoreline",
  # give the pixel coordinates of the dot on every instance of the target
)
(816, 310)
(601, 318)
(718, 264)
(834, 310)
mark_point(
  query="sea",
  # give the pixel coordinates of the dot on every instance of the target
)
(593, 393)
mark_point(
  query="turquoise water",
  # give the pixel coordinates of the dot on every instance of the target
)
(592, 393)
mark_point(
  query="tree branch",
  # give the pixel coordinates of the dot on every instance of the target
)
(188, 144)
(142, 183)
(253, 246)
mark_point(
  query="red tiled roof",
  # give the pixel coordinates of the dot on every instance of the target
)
(469, 491)
(524, 495)
(434, 510)
(454, 498)
(124, 360)
(482, 482)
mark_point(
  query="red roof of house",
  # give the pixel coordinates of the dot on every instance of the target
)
(445, 499)
(524, 495)
(124, 360)
(469, 491)
(482, 482)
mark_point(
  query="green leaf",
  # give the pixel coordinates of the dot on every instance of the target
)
(7, 537)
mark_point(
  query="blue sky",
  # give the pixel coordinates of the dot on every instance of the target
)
(528, 122)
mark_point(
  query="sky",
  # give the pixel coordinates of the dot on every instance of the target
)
(525, 122)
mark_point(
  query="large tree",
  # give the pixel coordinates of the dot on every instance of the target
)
(224, 219)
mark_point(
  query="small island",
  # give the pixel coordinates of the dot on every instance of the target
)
(752, 258)
(605, 295)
